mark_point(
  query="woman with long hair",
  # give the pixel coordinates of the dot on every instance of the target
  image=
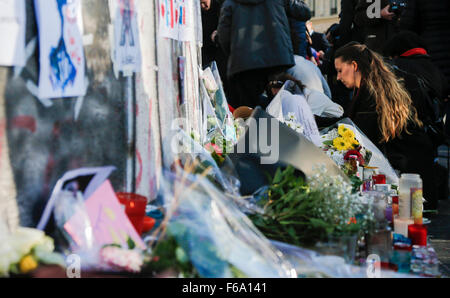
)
(384, 111)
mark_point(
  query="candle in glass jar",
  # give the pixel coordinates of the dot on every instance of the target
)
(401, 225)
(417, 234)
(379, 179)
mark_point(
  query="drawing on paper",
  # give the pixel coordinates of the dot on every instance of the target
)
(63, 71)
(126, 53)
(176, 19)
(62, 63)
(127, 32)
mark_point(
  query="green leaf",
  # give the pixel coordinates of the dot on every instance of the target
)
(278, 176)
(131, 243)
(316, 222)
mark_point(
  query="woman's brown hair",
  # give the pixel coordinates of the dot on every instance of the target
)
(393, 103)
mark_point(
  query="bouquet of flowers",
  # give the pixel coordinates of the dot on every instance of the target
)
(341, 143)
(23, 250)
(345, 140)
(302, 213)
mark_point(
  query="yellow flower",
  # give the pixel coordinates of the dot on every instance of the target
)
(352, 141)
(355, 142)
(342, 130)
(348, 134)
(28, 264)
(341, 144)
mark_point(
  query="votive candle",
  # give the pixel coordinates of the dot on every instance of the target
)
(401, 225)
(417, 234)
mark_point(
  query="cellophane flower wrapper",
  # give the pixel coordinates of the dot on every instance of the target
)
(214, 87)
(216, 235)
(377, 160)
(94, 255)
(309, 263)
(189, 149)
(66, 206)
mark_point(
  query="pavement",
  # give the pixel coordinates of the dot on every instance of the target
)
(439, 228)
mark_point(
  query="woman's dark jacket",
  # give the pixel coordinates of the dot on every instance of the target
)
(255, 33)
(409, 153)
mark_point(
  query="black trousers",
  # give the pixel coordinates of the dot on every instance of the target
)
(246, 87)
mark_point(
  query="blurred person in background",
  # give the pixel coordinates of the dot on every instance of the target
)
(430, 19)
(409, 56)
(319, 40)
(376, 29)
(348, 29)
(256, 37)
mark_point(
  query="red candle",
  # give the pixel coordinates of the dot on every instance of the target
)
(417, 234)
(379, 179)
(149, 223)
(134, 208)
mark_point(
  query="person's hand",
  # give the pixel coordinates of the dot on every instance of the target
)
(386, 14)
(206, 4)
(213, 36)
(321, 54)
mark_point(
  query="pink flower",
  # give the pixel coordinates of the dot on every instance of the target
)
(213, 148)
(122, 259)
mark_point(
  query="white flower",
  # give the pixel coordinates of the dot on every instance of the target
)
(128, 260)
(14, 246)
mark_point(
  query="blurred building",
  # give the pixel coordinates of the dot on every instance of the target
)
(325, 13)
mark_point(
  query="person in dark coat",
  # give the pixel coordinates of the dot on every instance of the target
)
(348, 29)
(211, 50)
(409, 53)
(210, 21)
(376, 29)
(299, 39)
(384, 111)
(409, 56)
(430, 19)
(340, 94)
(256, 37)
(319, 40)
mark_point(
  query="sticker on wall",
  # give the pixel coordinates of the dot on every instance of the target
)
(126, 49)
(12, 31)
(176, 19)
(62, 62)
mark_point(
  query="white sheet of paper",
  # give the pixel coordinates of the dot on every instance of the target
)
(285, 103)
(127, 50)
(12, 31)
(62, 61)
(176, 19)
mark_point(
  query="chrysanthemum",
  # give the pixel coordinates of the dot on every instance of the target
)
(341, 144)
(342, 130)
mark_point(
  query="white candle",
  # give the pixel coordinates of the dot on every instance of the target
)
(401, 225)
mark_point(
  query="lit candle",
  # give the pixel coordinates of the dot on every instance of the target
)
(418, 234)
(401, 225)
